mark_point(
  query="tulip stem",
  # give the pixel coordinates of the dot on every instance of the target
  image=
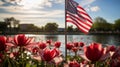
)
(43, 64)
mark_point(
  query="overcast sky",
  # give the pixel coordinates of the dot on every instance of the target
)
(39, 12)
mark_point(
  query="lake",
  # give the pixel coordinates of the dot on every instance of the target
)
(87, 39)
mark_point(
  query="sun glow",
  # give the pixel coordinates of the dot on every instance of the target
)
(28, 4)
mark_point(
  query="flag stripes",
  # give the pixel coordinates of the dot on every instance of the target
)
(78, 16)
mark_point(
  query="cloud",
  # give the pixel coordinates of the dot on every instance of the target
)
(47, 3)
(92, 8)
(36, 14)
(95, 8)
(28, 4)
(60, 1)
(1, 2)
(37, 17)
(86, 2)
(50, 14)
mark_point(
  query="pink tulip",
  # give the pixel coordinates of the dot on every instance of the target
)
(49, 55)
(94, 52)
(3, 40)
(22, 40)
(57, 44)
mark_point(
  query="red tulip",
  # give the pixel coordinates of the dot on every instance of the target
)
(42, 45)
(94, 52)
(49, 41)
(81, 44)
(69, 46)
(49, 55)
(110, 48)
(57, 44)
(76, 44)
(74, 64)
(115, 60)
(75, 49)
(35, 50)
(22, 40)
(3, 40)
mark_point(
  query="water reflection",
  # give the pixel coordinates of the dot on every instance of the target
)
(87, 39)
(52, 37)
(104, 39)
(69, 38)
(107, 39)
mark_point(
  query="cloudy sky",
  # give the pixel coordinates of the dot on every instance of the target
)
(39, 12)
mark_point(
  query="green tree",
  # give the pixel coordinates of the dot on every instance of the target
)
(76, 29)
(3, 27)
(100, 24)
(51, 27)
(70, 28)
(42, 29)
(12, 23)
(117, 24)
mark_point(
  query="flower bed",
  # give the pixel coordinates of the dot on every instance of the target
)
(22, 51)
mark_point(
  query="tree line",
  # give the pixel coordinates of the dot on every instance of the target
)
(99, 24)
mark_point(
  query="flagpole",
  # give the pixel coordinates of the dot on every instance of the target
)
(65, 32)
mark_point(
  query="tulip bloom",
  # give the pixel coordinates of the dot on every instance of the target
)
(3, 41)
(75, 49)
(110, 48)
(74, 64)
(76, 44)
(49, 41)
(22, 40)
(69, 46)
(49, 55)
(115, 60)
(81, 44)
(94, 52)
(35, 50)
(57, 44)
(42, 45)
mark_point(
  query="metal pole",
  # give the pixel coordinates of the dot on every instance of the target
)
(65, 31)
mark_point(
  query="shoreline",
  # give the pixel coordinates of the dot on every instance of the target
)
(63, 33)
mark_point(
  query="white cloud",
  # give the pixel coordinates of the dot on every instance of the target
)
(47, 3)
(95, 8)
(49, 14)
(29, 14)
(86, 2)
(1, 2)
(92, 8)
(31, 4)
(60, 1)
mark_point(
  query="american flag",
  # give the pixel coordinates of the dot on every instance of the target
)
(78, 16)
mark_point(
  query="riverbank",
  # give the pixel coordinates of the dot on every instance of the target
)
(63, 33)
